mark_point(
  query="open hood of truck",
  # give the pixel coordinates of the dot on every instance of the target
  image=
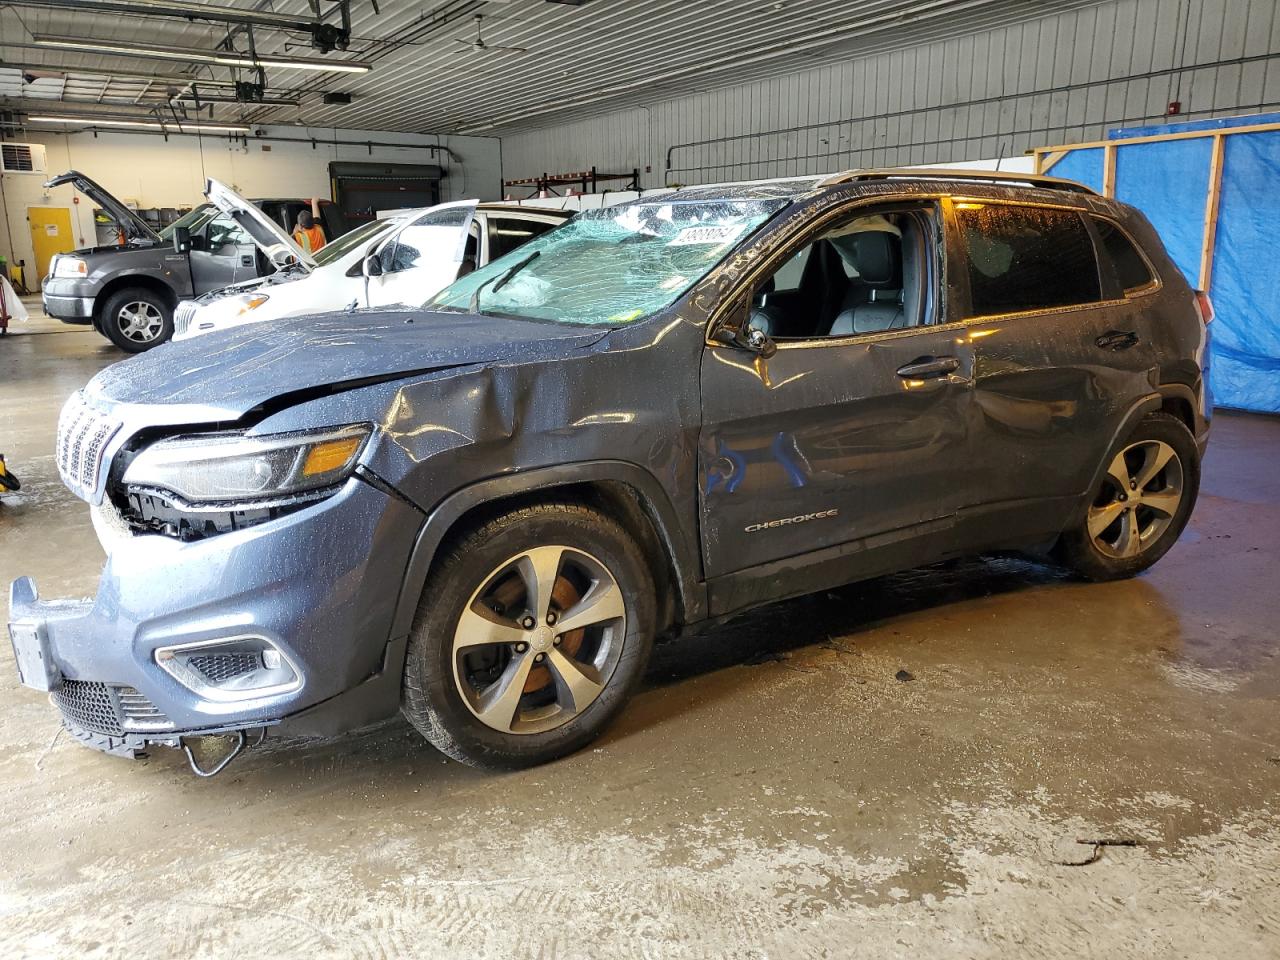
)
(134, 227)
(270, 237)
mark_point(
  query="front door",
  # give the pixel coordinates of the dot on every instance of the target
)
(857, 426)
(50, 234)
(227, 255)
(423, 257)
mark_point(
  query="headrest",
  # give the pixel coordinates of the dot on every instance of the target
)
(877, 257)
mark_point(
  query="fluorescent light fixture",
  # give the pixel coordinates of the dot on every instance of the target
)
(225, 58)
(187, 11)
(90, 121)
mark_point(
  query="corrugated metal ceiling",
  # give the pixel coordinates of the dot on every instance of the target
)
(580, 60)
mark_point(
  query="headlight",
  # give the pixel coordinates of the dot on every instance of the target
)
(217, 468)
(250, 301)
(70, 267)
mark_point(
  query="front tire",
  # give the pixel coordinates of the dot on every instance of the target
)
(136, 319)
(532, 632)
(1142, 504)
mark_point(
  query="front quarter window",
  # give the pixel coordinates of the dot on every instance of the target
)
(612, 266)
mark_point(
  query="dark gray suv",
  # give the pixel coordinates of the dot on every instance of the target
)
(483, 512)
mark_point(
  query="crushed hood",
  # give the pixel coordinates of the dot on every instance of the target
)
(134, 227)
(225, 375)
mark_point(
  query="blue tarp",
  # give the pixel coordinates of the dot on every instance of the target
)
(1168, 180)
(1186, 126)
(1245, 367)
(1083, 166)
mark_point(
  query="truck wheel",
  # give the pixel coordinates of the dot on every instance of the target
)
(1142, 504)
(532, 632)
(136, 319)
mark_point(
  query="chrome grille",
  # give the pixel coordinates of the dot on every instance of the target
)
(183, 316)
(83, 434)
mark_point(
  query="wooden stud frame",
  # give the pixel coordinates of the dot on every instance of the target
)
(1049, 157)
(1210, 233)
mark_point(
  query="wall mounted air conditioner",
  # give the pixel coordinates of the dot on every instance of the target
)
(22, 158)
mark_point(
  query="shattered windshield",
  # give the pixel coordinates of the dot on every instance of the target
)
(611, 266)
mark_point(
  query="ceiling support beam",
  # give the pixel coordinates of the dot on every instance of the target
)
(183, 11)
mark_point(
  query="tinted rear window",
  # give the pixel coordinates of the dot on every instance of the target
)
(1027, 258)
(1131, 270)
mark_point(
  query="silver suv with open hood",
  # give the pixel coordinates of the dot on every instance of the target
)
(129, 290)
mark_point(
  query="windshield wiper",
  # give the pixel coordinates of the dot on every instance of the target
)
(502, 280)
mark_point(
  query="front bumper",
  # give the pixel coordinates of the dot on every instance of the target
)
(68, 309)
(320, 585)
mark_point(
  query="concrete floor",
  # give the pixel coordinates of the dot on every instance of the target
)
(773, 792)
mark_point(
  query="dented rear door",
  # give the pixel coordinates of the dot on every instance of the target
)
(1061, 357)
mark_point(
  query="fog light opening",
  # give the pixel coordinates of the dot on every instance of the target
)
(231, 668)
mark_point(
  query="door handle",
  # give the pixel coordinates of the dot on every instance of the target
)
(922, 368)
(1117, 339)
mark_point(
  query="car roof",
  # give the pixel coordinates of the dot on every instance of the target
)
(793, 188)
(499, 207)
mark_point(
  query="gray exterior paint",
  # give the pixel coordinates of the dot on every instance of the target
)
(963, 95)
(469, 409)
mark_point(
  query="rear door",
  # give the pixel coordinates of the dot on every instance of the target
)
(1060, 356)
(423, 257)
(852, 429)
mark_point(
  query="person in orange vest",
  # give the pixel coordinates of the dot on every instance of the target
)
(308, 234)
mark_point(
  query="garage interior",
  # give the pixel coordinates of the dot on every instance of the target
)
(981, 758)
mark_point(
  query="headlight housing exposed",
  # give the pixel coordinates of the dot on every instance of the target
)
(70, 267)
(234, 468)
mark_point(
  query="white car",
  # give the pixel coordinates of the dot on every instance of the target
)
(402, 259)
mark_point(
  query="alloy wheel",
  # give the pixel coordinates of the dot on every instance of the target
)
(1139, 498)
(538, 640)
(140, 321)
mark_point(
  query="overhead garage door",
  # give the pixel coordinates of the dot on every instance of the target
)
(362, 189)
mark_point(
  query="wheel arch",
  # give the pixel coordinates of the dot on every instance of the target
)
(627, 492)
(1179, 400)
(125, 281)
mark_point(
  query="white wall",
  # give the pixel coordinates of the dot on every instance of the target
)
(159, 173)
(1062, 78)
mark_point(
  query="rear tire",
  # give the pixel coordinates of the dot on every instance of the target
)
(492, 676)
(136, 319)
(1142, 504)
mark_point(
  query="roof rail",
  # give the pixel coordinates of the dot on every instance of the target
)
(943, 173)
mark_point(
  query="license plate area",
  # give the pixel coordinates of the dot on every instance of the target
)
(36, 668)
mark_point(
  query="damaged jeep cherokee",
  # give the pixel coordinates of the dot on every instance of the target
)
(483, 512)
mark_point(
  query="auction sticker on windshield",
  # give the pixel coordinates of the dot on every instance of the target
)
(710, 235)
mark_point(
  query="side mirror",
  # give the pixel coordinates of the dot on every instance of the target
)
(181, 240)
(761, 343)
(372, 265)
(753, 339)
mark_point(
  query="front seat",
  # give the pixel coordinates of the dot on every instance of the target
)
(876, 303)
(765, 317)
